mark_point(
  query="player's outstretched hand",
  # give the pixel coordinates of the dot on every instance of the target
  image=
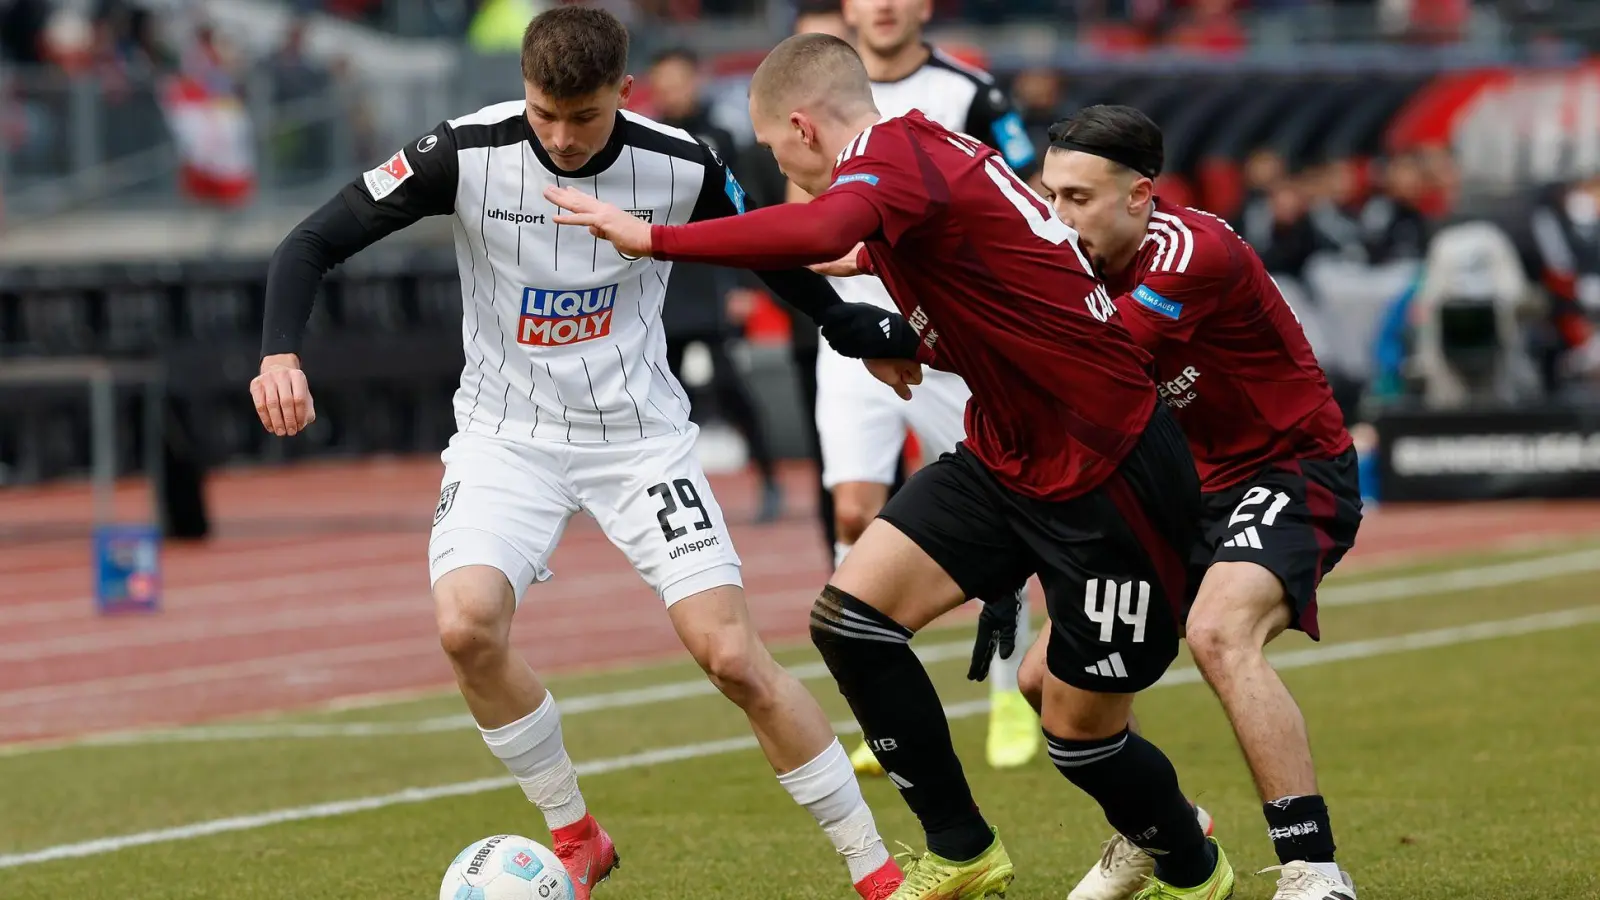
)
(899, 374)
(630, 234)
(864, 331)
(843, 267)
(997, 633)
(283, 401)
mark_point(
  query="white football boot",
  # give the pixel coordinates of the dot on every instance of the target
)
(1300, 881)
(1124, 869)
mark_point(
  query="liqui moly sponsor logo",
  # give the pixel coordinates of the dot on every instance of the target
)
(556, 317)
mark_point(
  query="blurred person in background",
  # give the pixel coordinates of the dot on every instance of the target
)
(1335, 208)
(698, 296)
(1392, 227)
(862, 423)
(1559, 242)
(1040, 102)
(1273, 218)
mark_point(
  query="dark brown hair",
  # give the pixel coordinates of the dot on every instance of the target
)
(1121, 134)
(573, 51)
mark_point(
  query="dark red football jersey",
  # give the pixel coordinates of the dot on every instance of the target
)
(1002, 296)
(1230, 356)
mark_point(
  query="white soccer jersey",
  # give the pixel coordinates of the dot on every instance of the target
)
(563, 334)
(961, 98)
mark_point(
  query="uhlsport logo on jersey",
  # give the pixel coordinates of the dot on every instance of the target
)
(555, 317)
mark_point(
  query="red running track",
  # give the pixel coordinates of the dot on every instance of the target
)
(315, 588)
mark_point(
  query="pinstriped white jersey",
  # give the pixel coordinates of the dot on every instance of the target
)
(563, 334)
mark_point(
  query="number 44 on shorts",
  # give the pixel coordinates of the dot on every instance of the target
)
(1106, 601)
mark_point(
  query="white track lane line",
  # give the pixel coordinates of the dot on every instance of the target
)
(1364, 592)
(1441, 637)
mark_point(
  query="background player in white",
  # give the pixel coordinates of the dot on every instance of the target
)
(564, 405)
(860, 421)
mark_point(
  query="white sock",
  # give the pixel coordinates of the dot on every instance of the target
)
(531, 748)
(1003, 673)
(827, 788)
(840, 551)
(1329, 869)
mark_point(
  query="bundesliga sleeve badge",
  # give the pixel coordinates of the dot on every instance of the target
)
(385, 179)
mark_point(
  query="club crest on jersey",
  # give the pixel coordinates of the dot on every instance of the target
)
(558, 317)
(382, 181)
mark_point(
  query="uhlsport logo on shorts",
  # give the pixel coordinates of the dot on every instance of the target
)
(555, 317)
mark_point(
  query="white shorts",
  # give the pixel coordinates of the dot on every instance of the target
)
(505, 504)
(862, 422)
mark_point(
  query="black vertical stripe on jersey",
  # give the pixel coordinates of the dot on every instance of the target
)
(672, 186)
(522, 195)
(638, 309)
(633, 171)
(594, 256)
(477, 324)
(682, 400)
(556, 386)
(623, 363)
(595, 400)
(494, 285)
(557, 267)
(505, 399)
(533, 388)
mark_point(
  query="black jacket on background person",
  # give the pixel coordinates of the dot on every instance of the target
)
(696, 302)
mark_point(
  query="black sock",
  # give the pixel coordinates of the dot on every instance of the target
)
(1300, 829)
(870, 657)
(1136, 786)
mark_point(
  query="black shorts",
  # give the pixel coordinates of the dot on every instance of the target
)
(1294, 519)
(1114, 562)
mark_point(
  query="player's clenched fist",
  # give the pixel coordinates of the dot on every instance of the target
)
(283, 401)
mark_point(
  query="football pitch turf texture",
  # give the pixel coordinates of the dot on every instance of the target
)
(1454, 710)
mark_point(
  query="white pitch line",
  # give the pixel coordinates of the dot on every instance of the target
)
(1441, 637)
(1374, 591)
(582, 703)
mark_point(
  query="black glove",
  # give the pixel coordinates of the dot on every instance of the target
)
(997, 631)
(864, 331)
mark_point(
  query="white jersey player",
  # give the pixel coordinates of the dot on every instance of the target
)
(860, 422)
(566, 404)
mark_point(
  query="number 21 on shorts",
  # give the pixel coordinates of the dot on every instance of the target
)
(1106, 601)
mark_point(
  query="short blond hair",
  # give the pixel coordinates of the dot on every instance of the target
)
(811, 71)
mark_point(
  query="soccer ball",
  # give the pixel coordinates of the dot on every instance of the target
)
(506, 867)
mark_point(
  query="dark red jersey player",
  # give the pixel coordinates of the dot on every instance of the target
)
(1230, 356)
(991, 280)
(1071, 468)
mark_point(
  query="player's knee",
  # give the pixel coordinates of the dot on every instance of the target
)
(473, 615)
(733, 660)
(1240, 607)
(1220, 642)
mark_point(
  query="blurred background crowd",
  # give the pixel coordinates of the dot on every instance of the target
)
(1422, 177)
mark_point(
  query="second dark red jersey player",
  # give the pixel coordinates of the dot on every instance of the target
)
(1230, 357)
